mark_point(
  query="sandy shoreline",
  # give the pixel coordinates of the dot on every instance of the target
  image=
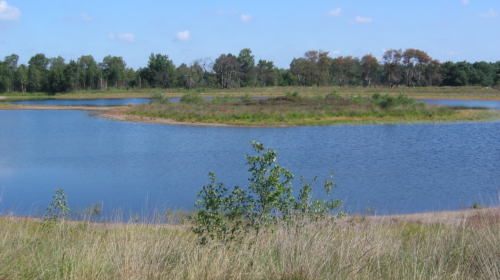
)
(444, 218)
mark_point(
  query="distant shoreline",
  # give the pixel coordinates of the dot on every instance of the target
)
(446, 218)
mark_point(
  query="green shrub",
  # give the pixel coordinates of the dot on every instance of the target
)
(160, 98)
(246, 97)
(387, 101)
(295, 94)
(223, 99)
(226, 214)
(58, 209)
(192, 97)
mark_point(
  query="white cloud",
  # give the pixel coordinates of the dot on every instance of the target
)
(465, 2)
(452, 53)
(183, 35)
(489, 14)
(8, 12)
(85, 17)
(363, 19)
(336, 52)
(128, 37)
(245, 18)
(334, 12)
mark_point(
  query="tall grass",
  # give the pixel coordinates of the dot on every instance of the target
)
(356, 248)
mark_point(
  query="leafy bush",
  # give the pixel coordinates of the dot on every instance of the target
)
(158, 97)
(246, 97)
(334, 95)
(58, 209)
(387, 101)
(295, 94)
(192, 97)
(225, 214)
(223, 99)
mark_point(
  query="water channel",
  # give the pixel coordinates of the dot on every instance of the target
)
(138, 167)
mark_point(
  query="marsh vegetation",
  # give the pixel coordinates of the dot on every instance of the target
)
(295, 109)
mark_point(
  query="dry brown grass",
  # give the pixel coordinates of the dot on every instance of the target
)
(356, 248)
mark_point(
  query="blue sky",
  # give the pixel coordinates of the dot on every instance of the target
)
(276, 30)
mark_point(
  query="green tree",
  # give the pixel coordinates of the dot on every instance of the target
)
(369, 66)
(113, 69)
(7, 72)
(71, 75)
(298, 67)
(225, 214)
(37, 72)
(227, 69)
(21, 77)
(89, 74)
(247, 67)
(345, 69)
(266, 75)
(160, 71)
(392, 66)
(56, 78)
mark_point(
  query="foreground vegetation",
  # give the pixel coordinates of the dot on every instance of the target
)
(355, 248)
(276, 240)
(294, 109)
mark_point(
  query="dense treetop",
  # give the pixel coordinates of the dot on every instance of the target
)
(411, 67)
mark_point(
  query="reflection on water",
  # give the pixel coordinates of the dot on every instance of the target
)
(138, 167)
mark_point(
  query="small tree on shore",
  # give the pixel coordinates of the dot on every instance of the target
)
(225, 214)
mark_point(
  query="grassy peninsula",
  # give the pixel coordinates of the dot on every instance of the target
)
(294, 109)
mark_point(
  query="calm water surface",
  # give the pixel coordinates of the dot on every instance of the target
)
(137, 167)
(137, 101)
(96, 102)
(85, 102)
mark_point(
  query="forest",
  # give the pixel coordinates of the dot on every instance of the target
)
(411, 68)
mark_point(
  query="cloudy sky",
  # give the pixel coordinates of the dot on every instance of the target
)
(276, 30)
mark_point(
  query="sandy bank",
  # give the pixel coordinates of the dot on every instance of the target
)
(444, 218)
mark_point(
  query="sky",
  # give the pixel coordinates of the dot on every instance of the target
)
(279, 31)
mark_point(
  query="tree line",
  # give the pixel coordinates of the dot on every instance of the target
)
(411, 67)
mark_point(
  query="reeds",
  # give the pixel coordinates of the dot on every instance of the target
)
(355, 248)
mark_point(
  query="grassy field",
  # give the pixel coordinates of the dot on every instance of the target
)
(355, 248)
(317, 110)
(469, 92)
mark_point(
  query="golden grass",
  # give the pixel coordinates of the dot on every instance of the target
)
(358, 248)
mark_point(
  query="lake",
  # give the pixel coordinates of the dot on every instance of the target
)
(135, 168)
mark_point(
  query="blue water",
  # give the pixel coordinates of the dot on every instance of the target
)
(137, 101)
(466, 103)
(137, 167)
(96, 102)
(85, 102)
